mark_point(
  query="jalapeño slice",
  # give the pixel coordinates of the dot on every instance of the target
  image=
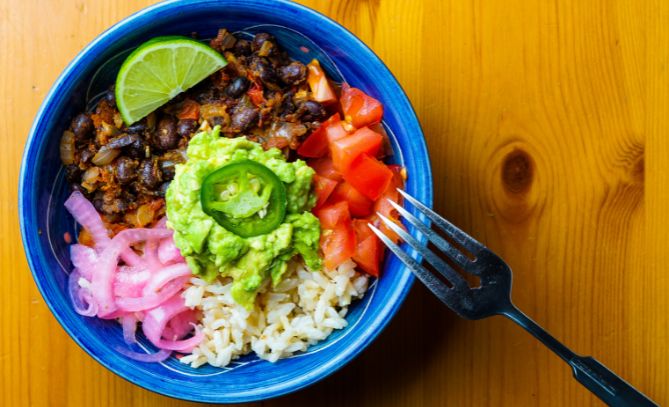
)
(244, 197)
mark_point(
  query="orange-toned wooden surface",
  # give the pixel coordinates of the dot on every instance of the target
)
(548, 126)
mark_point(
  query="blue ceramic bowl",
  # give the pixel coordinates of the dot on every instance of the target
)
(305, 34)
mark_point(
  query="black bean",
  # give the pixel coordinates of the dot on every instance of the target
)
(242, 47)
(313, 111)
(137, 149)
(287, 106)
(82, 126)
(167, 167)
(163, 188)
(186, 127)
(219, 121)
(98, 201)
(136, 128)
(149, 173)
(168, 162)
(123, 140)
(263, 69)
(259, 39)
(237, 87)
(243, 116)
(293, 73)
(126, 169)
(167, 137)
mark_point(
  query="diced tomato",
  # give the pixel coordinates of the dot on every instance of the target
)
(335, 131)
(362, 230)
(256, 94)
(386, 230)
(359, 108)
(323, 187)
(358, 204)
(320, 87)
(368, 255)
(368, 250)
(338, 237)
(325, 168)
(190, 109)
(386, 148)
(338, 244)
(397, 175)
(391, 192)
(347, 149)
(369, 176)
(383, 207)
(333, 215)
(316, 145)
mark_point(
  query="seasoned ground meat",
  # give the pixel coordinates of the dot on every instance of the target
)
(261, 94)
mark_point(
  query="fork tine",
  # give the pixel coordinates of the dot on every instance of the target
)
(447, 271)
(453, 253)
(435, 285)
(453, 231)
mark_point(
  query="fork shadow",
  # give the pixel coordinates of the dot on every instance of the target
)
(398, 357)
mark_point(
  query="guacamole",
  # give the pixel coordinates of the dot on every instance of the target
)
(210, 249)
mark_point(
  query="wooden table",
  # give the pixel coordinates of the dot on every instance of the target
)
(547, 125)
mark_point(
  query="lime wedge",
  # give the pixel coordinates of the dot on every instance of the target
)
(159, 70)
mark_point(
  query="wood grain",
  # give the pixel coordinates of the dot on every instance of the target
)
(547, 126)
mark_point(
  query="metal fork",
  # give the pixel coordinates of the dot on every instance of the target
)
(492, 296)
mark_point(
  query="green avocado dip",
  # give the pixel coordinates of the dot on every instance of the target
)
(241, 212)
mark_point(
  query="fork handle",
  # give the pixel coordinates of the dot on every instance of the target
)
(596, 377)
(605, 384)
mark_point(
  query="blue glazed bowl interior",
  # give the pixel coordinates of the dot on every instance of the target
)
(305, 34)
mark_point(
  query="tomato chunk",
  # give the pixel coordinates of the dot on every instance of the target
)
(358, 204)
(368, 250)
(383, 207)
(325, 168)
(320, 87)
(369, 176)
(316, 144)
(190, 109)
(333, 215)
(359, 108)
(338, 237)
(256, 94)
(361, 228)
(347, 149)
(335, 131)
(338, 245)
(368, 255)
(323, 188)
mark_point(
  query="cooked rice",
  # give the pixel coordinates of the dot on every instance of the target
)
(303, 309)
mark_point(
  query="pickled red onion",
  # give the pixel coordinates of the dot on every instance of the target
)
(129, 325)
(130, 281)
(155, 322)
(150, 301)
(85, 214)
(83, 304)
(159, 356)
(169, 253)
(84, 259)
(167, 274)
(143, 287)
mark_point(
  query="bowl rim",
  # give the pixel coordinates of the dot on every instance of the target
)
(376, 325)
